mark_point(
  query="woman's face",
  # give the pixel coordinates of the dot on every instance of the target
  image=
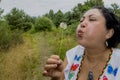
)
(92, 29)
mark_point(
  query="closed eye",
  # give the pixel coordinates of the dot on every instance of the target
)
(82, 19)
(92, 19)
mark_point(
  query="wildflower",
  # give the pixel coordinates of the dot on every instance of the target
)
(63, 25)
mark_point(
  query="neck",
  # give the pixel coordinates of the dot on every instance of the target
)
(93, 54)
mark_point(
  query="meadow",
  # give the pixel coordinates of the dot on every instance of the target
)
(26, 61)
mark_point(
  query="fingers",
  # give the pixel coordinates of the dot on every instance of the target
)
(52, 74)
(56, 57)
(50, 66)
(45, 73)
(53, 61)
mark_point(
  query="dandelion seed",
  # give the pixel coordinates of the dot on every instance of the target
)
(63, 25)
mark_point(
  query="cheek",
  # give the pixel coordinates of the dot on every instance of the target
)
(90, 32)
(96, 32)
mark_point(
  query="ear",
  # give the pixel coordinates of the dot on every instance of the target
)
(109, 34)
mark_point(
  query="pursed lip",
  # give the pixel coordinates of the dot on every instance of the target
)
(80, 33)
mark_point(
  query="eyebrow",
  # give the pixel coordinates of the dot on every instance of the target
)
(89, 15)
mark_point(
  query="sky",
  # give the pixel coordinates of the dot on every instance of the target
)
(40, 7)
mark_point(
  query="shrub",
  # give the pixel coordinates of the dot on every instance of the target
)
(72, 29)
(5, 36)
(8, 38)
(43, 24)
(17, 37)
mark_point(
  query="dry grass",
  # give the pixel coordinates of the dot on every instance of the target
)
(25, 61)
(12, 60)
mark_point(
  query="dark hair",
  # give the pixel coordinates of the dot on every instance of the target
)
(111, 23)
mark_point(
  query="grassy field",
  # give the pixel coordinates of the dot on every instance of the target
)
(26, 61)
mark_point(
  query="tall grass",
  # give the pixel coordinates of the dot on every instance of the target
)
(26, 61)
(60, 41)
(21, 62)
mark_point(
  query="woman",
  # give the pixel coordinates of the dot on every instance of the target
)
(96, 58)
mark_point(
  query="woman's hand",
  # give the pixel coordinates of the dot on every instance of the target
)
(53, 67)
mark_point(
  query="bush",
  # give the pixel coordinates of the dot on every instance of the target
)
(71, 30)
(43, 24)
(17, 37)
(8, 37)
(5, 36)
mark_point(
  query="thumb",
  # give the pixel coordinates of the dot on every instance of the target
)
(60, 65)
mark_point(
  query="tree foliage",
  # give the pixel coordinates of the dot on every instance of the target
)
(43, 24)
(17, 19)
(73, 16)
(1, 11)
(58, 18)
(92, 3)
(116, 9)
(8, 38)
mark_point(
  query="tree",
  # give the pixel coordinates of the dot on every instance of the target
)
(51, 14)
(115, 9)
(73, 16)
(1, 11)
(92, 3)
(17, 19)
(58, 18)
(77, 12)
(68, 17)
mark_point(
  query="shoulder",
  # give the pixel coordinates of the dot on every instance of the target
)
(116, 53)
(116, 60)
(75, 49)
(116, 56)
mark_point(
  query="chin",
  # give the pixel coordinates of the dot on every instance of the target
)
(80, 43)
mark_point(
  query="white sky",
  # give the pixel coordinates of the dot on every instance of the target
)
(40, 7)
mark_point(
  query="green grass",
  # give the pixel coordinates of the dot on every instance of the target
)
(26, 61)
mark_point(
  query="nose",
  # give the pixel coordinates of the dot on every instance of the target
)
(83, 24)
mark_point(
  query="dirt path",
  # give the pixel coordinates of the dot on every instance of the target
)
(45, 52)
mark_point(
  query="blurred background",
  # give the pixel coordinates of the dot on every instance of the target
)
(32, 30)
